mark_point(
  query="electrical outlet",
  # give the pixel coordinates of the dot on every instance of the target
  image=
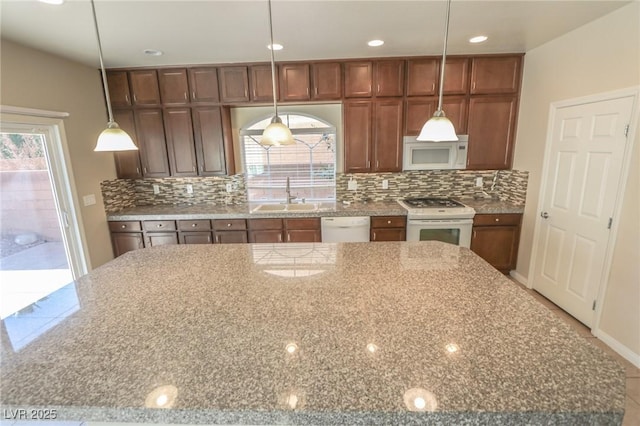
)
(189, 188)
(156, 189)
(89, 200)
(229, 187)
(479, 181)
(385, 183)
(352, 185)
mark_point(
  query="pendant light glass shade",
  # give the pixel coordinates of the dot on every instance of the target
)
(277, 134)
(439, 128)
(113, 138)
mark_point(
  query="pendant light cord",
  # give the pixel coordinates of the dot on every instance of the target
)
(444, 56)
(273, 63)
(104, 74)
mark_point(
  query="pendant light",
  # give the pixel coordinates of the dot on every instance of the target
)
(439, 128)
(276, 133)
(113, 138)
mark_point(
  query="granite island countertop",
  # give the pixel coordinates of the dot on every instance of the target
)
(351, 333)
(245, 211)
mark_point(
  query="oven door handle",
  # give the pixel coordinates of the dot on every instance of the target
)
(439, 222)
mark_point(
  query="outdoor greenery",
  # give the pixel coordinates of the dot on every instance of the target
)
(21, 151)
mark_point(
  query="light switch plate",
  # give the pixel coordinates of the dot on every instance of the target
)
(89, 200)
(352, 185)
(156, 189)
(229, 187)
(479, 181)
(189, 188)
(385, 183)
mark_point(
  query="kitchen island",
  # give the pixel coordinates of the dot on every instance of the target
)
(351, 333)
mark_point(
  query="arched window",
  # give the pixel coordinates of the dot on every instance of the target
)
(310, 164)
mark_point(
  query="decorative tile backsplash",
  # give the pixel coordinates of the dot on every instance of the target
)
(507, 185)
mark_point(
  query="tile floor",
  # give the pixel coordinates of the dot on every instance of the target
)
(632, 406)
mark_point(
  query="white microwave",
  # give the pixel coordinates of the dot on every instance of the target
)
(421, 155)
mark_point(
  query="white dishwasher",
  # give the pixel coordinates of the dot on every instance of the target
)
(345, 229)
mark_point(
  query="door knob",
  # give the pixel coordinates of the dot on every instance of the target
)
(544, 215)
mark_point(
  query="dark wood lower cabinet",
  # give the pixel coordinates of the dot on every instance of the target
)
(123, 242)
(305, 230)
(495, 238)
(195, 237)
(230, 237)
(229, 231)
(388, 228)
(152, 239)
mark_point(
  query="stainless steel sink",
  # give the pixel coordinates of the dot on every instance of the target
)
(285, 208)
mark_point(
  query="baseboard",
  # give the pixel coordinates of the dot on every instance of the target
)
(519, 277)
(621, 349)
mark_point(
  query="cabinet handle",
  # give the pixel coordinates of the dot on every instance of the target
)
(218, 239)
(193, 225)
(280, 237)
(144, 170)
(433, 87)
(315, 89)
(193, 169)
(159, 225)
(389, 221)
(135, 99)
(474, 234)
(124, 226)
(368, 164)
(288, 237)
(377, 164)
(201, 169)
(378, 87)
(126, 98)
(473, 86)
(185, 96)
(228, 225)
(208, 239)
(193, 95)
(497, 219)
(138, 170)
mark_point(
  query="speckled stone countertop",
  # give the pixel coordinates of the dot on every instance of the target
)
(245, 211)
(351, 333)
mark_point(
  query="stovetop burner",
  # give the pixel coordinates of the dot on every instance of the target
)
(426, 202)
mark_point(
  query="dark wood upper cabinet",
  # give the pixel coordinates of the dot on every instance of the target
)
(456, 76)
(417, 112)
(261, 83)
(234, 84)
(127, 162)
(209, 140)
(456, 109)
(180, 145)
(422, 77)
(203, 83)
(357, 136)
(153, 146)
(327, 80)
(174, 88)
(492, 123)
(294, 82)
(499, 74)
(387, 142)
(389, 78)
(118, 89)
(144, 87)
(358, 79)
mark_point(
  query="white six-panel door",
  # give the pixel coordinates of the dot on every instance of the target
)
(584, 168)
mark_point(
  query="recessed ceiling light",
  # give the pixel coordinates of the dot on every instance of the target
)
(375, 43)
(478, 39)
(153, 52)
(276, 46)
(56, 2)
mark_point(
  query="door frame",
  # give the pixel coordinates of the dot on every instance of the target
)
(58, 160)
(633, 91)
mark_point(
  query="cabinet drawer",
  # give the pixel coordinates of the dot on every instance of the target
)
(260, 224)
(388, 221)
(194, 225)
(496, 219)
(130, 226)
(230, 225)
(159, 225)
(307, 223)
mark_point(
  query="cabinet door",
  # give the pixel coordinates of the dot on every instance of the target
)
(357, 136)
(358, 79)
(327, 80)
(152, 143)
(118, 89)
(180, 145)
(418, 112)
(144, 87)
(303, 236)
(492, 122)
(495, 74)
(261, 83)
(456, 76)
(127, 162)
(123, 242)
(203, 83)
(234, 84)
(294, 82)
(389, 78)
(388, 234)
(174, 88)
(387, 151)
(456, 110)
(265, 236)
(160, 239)
(422, 77)
(209, 138)
(195, 237)
(230, 237)
(498, 245)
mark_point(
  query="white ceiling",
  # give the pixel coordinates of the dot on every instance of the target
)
(217, 31)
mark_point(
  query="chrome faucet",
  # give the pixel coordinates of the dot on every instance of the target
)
(288, 191)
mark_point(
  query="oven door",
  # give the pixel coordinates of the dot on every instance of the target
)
(452, 231)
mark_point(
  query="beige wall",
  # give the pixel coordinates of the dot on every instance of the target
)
(33, 79)
(601, 56)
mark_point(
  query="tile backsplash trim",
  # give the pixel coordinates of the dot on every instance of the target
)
(506, 185)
